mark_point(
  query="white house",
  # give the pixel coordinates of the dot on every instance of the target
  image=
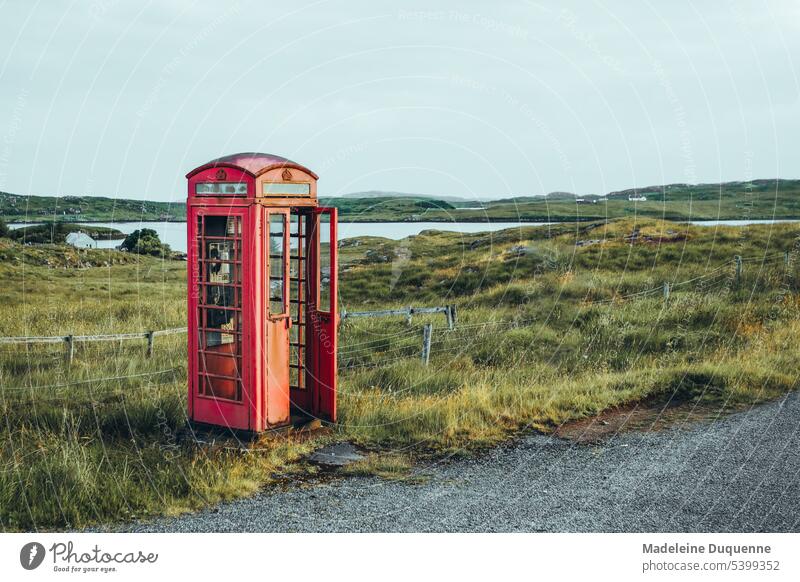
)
(637, 198)
(81, 240)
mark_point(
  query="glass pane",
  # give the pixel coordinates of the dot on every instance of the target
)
(297, 221)
(223, 296)
(273, 188)
(222, 319)
(222, 226)
(221, 188)
(214, 339)
(324, 275)
(223, 273)
(277, 264)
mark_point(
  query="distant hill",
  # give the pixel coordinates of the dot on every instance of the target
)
(763, 198)
(390, 194)
(56, 232)
(17, 208)
(713, 191)
(389, 208)
(550, 197)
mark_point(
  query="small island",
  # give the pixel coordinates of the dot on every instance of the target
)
(58, 231)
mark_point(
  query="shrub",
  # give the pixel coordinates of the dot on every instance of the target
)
(145, 241)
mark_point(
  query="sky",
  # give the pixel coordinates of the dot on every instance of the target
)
(473, 99)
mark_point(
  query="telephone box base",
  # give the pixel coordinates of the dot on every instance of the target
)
(200, 432)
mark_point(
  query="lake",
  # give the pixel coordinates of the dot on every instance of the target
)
(174, 233)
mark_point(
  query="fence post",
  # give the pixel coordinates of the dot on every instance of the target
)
(666, 291)
(150, 340)
(738, 260)
(408, 316)
(70, 348)
(786, 259)
(449, 314)
(427, 332)
(454, 315)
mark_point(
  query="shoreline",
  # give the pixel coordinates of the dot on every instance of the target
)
(533, 221)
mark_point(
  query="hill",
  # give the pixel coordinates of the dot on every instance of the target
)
(387, 209)
(18, 208)
(762, 188)
(390, 194)
(56, 232)
(757, 199)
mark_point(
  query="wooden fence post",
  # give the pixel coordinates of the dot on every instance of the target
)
(150, 340)
(70, 348)
(449, 314)
(738, 260)
(786, 258)
(666, 291)
(427, 332)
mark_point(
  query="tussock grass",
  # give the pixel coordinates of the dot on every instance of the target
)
(392, 467)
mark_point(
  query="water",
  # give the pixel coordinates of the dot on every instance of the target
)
(174, 233)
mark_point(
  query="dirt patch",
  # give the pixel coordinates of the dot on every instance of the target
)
(653, 414)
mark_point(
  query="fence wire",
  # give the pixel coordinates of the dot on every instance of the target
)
(354, 356)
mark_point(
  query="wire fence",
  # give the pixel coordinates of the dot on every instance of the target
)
(91, 381)
(70, 341)
(729, 273)
(403, 344)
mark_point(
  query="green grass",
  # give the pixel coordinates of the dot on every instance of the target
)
(548, 332)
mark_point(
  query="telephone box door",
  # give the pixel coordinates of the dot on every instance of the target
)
(324, 313)
(220, 386)
(278, 320)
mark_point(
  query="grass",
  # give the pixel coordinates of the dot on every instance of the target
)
(548, 331)
(391, 466)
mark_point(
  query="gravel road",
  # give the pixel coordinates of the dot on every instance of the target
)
(740, 473)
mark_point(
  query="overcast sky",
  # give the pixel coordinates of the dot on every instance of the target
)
(467, 98)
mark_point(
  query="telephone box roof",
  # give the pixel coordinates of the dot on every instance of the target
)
(254, 163)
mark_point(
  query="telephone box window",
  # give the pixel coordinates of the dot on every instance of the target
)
(325, 278)
(297, 299)
(277, 264)
(221, 188)
(286, 189)
(220, 306)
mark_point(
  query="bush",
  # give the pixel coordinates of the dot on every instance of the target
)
(145, 242)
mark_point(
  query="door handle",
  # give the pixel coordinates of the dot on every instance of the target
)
(287, 318)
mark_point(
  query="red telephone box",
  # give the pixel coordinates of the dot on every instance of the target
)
(262, 294)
